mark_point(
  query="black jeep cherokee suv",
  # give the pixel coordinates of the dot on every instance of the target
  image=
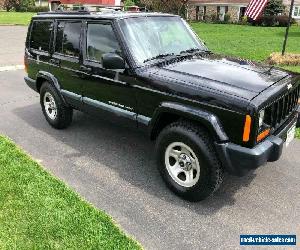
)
(208, 113)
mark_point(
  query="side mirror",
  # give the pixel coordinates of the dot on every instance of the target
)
(113, 61)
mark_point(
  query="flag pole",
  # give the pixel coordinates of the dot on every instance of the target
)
(288, 27)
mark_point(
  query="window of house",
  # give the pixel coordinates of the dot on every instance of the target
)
(296, 12)
(221, 11)
(40, 35)
(101, 39)
(68, 38)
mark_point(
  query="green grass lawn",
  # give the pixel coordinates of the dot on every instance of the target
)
(20, 18)
(38, 211)
(250, 42)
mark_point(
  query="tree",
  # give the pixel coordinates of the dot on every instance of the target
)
(129, 3)
(171, 6)
(17, 5)
(11, 4)
(273, 8)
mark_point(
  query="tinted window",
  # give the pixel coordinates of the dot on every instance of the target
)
(40, 35)
(68, 38)
(101, 39)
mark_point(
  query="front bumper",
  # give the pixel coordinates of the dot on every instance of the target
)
(31, 83)
(238, 160)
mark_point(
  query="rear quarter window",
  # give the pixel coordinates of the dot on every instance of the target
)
(40, 35)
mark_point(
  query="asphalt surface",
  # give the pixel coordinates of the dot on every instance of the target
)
(113, 168)
(12, 39)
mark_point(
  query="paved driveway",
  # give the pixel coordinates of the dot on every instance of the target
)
(12, 39)
(113, 168)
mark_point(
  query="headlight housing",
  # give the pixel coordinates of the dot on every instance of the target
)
(261, 118)
(263, 129)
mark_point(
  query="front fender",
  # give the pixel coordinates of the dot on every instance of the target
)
(207, 119)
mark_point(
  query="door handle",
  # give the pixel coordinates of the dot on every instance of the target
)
(55, 61)
(86, 69)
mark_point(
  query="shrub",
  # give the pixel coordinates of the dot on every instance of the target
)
(281, 21)
(207, 18)
(214, 17)
(38, 9)
(34, 9)
(269, 21)
(226, 18)
(244, 20)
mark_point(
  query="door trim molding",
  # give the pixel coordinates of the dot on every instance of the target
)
(110, 108)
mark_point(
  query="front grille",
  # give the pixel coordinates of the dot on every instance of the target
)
(280, 110)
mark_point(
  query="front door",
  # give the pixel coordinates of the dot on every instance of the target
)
(105, 92)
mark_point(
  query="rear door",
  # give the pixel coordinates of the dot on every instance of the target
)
(65, 60)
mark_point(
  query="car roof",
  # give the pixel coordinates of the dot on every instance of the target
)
(98, 15)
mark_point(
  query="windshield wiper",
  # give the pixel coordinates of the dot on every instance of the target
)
(159, 57)
(192, 50)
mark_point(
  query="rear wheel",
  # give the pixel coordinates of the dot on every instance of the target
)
(54, 109)
(187, 161)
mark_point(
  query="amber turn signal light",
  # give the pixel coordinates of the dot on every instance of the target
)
(25, 65)
(263, 135)
(247, 128)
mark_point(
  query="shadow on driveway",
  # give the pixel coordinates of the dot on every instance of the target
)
(129, 153)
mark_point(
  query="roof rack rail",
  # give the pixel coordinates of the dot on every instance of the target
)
(90, 8)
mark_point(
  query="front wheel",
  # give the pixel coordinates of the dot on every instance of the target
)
(187, 161)
(54, 109)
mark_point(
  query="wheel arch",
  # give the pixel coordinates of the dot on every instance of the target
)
(43, 76)
(169, 112)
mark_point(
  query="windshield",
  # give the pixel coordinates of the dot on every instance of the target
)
(151, 38)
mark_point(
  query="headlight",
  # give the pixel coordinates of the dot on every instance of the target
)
(261, 118)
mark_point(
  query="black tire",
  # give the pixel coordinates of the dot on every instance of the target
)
(64, 113)
(211, 172)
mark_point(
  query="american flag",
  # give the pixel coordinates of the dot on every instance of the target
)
(255, 8)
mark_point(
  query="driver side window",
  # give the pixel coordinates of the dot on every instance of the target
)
(101, 39)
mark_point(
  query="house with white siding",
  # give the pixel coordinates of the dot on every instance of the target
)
(206, 9)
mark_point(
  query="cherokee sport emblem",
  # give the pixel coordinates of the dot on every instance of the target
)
(289, 86)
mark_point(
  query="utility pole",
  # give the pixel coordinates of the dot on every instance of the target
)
(288, 27)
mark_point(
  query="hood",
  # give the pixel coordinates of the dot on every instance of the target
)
(242, 78)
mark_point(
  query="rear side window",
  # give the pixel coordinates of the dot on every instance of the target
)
(101, 39)
(40, 35)
(68, 38)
